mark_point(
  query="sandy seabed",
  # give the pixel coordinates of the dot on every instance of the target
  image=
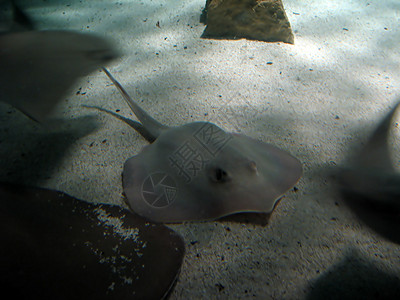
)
(319, 100)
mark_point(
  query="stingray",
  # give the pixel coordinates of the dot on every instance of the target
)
(38, 67)
(198, 171)
(371, 186)
(58, 247)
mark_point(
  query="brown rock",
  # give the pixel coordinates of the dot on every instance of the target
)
(262, 20)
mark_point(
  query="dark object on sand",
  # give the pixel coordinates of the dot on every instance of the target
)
(371, 187)
(251, 19)
(57, 247)
(354, 277)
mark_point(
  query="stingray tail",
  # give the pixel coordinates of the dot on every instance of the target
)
(152, 126)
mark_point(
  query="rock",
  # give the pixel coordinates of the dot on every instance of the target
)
(262, 20)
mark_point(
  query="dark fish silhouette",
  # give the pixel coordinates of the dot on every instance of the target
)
(371, 187)
(38, 67)
(57, 247)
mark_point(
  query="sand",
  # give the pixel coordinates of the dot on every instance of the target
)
(319, 99)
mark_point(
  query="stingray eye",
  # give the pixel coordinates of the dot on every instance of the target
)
(218, 175)
(253, 167)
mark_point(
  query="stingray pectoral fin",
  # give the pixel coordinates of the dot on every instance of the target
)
(287, 168)
(154, 191)
(58, 247)
(370, 187)
(375, 153)
(140, 187)
(38, 67)
(269, 174)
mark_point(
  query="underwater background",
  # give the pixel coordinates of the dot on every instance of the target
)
(319, 99)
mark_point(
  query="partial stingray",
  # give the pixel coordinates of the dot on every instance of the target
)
(57, 247)
(198, 171)
(371, 186)
(38, 67)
